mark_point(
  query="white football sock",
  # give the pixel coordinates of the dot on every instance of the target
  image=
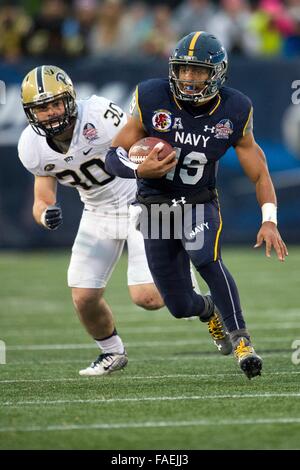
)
(113, 344)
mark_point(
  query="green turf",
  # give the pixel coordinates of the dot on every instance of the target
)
(177, 391)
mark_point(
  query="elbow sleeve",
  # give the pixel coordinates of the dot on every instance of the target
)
(117, 163)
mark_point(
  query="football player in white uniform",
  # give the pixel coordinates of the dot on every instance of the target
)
(66, 141)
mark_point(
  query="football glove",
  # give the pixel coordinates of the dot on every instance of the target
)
(52, 218)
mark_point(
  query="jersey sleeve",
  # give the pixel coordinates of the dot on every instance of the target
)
(248, 127)
(135, 107)
(28, 153)
(244, 119)
(110, 116)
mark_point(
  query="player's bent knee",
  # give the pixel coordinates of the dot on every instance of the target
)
(146, 296)
(148, 302)
(86, 299)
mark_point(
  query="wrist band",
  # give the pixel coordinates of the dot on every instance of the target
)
(269, 213)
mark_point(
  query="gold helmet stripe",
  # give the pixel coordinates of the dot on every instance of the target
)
(193, 43)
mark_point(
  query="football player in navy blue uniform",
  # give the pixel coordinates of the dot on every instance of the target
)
(201, 119)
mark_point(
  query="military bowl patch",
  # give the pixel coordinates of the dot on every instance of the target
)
(90, 132)
(223, 129)
(161, 120)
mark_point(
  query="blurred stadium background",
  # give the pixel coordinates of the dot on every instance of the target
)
(107, 46)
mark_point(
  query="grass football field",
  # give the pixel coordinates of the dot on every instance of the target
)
(177, 392)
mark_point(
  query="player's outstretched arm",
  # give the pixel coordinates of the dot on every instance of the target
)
(45, 210)
(253, 162)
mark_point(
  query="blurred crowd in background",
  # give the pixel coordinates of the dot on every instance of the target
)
(75, 28)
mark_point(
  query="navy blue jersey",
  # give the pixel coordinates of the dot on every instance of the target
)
(201, 140)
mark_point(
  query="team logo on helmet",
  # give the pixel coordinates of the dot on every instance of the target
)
(223, 129)
(60, 77)
(161, 120)
(90, 132)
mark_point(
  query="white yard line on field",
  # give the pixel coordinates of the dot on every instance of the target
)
(146, 377)
(153, 424)
(81, 401)
(187, 357)
(144, 330)
(151, 344)
(133, 312)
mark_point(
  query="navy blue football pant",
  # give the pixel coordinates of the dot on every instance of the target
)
(195, 238)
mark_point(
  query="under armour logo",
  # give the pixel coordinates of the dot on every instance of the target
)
(211, 129)
(178, 201)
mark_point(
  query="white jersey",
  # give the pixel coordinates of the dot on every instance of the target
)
(82, 166)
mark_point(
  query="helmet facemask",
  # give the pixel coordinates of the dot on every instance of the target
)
(195, 91)
(54, 125)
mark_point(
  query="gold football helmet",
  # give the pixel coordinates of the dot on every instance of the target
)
(45, 84)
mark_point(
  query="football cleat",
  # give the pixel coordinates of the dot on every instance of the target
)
(216, 328)
(248, 360)
(219, 334)
(105, 364)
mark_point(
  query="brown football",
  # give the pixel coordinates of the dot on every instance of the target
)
(141, 149)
